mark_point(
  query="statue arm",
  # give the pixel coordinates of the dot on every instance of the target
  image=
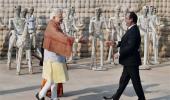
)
(35, 22)
(157, 21)
(139, 22)
(121, 26)
(10, 25)
(105, 25)
(74, 24)
(139, 25)
(109, 23)
(1, 24)
(25, 31)
(153, 27)
(65, 27)
(91, 28)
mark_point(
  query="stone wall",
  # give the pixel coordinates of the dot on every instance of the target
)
(84, 8)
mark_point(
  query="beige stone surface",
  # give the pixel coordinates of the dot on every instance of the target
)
(85, 84)
(84, 8)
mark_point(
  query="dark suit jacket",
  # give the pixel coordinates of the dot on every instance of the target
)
(129, 47)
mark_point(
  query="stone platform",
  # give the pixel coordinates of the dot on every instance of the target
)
(85, 84)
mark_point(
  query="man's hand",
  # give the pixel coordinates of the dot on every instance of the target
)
(71, 40)
(110, 43)
(83, 39)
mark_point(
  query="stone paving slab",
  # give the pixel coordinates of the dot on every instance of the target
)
(85, 84)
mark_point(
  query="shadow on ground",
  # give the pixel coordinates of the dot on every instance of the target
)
(23, 89)
(97, 93)
(161, 98)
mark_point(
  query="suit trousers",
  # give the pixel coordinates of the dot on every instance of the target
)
(130, 72)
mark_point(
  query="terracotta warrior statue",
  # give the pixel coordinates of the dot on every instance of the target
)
(117, 31)
(143, 23)
(96, 27)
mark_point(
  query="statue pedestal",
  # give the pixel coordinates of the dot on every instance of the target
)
(154, 62)
(101, 68)
(144, 67)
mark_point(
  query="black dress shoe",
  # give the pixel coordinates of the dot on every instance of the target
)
(37, 96)
(108, 98)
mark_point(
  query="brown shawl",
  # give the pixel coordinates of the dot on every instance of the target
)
(57, 41)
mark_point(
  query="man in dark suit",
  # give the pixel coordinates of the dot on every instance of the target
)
(129, 57)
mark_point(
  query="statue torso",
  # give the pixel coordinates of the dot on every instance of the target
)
(19, 24)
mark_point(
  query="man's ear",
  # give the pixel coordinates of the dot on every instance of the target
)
(131, 20)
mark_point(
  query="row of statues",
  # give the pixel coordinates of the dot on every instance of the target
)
(22, 36)
(23, 33)
(115, 28)
(72, 28)
(149, 25)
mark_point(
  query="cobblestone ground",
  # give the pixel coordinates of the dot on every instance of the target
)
(85, 84)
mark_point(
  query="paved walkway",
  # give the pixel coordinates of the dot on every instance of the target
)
(85, 84)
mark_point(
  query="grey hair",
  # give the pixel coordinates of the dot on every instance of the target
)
(55, 12)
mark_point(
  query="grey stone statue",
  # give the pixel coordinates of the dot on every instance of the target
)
(117, 31)
(31, 20)
(154, 36)
(69, 27)
(13, 33)
(143, 23)
(96, 27)
(20, 37)
(24, 43)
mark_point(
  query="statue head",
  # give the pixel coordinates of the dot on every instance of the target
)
(72, 11)
(82, 20)
(151, 10)
(145, 10)
(66, 13)
(98, 12)
(117, 8)
(31, 10)
(24, 13)
(125, 10)
(155, 10)
(17, 11)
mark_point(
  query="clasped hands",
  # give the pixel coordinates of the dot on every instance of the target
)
(110, 43)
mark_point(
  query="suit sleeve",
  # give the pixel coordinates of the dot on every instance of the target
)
(118, 43)
(131, 44)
